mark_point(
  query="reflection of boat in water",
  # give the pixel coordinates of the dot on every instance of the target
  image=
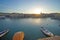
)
(46, 32)
(2, 17)
(3, 33)
(59, 25)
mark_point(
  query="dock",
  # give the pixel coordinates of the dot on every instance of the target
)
(51, 38)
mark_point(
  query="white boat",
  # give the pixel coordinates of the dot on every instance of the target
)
(46, 32)
(3, 33)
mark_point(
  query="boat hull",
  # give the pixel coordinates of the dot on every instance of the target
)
(49, 34)
(3, 33)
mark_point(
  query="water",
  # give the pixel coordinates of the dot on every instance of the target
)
(30, 26)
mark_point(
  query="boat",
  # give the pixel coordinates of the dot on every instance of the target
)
(46, 32)
(2, 33)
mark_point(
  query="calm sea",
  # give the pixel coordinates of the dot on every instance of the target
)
(30, 27)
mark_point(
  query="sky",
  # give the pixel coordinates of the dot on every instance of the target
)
(28, 6)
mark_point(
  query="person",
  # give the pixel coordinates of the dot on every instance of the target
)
(18, 36)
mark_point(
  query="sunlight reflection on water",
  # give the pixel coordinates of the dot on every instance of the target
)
(35, 21)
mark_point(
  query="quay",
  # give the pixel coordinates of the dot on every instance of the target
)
(51, 38)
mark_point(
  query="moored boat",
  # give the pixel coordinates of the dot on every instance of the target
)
(46, 32)
(3, 33)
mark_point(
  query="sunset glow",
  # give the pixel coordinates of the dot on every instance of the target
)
(30, 6)
(37, 11)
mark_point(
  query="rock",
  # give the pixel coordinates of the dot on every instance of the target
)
(18, 36)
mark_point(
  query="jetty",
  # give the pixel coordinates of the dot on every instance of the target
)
(51, 38)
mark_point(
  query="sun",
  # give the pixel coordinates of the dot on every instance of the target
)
(37, 11)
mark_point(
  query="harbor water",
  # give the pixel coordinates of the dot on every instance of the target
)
(30, 27)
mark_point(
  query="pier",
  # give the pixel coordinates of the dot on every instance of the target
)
(51, 38)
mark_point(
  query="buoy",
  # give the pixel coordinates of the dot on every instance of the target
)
(18, 36)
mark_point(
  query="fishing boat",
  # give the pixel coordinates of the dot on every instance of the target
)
(2, 33)
(46, 32)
